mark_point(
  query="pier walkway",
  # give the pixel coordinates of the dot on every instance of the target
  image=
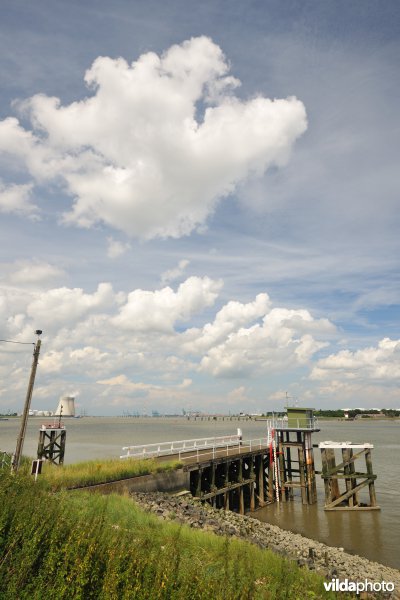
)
(198, 450)
(227, 471)
(230, 472)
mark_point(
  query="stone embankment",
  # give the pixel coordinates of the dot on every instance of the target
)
(331, 562)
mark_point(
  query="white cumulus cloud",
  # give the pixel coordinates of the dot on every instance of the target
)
(381, 362)
(63, 306)
(16, 199)
(33, 272)
(157, 143)
(285, 339)
(161, 309)
(229, 319)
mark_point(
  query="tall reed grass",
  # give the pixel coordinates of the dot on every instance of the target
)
(101, 471)
(69, 545)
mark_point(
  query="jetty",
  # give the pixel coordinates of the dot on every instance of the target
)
(241, 475)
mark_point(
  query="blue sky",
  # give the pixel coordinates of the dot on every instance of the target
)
(210, 219)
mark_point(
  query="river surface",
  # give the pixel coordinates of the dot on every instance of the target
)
(373, 534)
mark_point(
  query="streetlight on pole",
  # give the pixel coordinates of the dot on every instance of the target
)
(21, 437)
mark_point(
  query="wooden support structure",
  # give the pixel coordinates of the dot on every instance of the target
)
(292, 441)
(270, 482)
(266, 473)
(349, 499)
(260, 474)
(252, 478)
(234, 483)
(282, 487)
(310, 469)
(226, 483)
(285, 465)
(302, 475)
(51, 444)
(252, 486)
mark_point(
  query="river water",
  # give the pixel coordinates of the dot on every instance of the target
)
(373, 534)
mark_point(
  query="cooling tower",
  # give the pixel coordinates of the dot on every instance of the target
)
(68, 407)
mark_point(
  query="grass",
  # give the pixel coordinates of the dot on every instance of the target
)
(67, 545)
(96, 471)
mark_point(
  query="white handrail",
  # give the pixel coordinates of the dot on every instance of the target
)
(179, 446)
(182, 447)
(285, 423)
(245, 446)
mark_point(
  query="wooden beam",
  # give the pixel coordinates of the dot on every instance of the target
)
(331, 464)
(352, 508)
(261, 480)
(347, 495)
(371, 478)
(302, 478)
(282, 472)
(351, 459)
(354, 475)
(230, 487)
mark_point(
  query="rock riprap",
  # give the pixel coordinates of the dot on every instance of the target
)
(329, 561)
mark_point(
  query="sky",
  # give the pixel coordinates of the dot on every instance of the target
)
(199, 204)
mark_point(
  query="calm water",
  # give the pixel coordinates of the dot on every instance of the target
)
(374, 534)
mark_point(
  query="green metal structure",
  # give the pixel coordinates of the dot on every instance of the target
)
(299, 417)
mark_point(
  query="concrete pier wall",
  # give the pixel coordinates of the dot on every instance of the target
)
(170, 481)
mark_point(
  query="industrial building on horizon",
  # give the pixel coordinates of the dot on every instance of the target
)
(65, 408)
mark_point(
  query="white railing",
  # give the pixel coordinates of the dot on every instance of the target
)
(331, 444)
(181, 446)
(218, 451)
(285, 423)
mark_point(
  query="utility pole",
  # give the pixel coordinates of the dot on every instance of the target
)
(21, 437)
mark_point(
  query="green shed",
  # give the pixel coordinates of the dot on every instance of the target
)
(300, 418)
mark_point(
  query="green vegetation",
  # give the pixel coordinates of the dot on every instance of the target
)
(72, 545)
(329, 413)
(354, 412)
(391, 412)
(364, 414)
(102, 471)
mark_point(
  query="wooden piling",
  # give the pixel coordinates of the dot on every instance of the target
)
(332, 474)
(346, 470)
(371, 485)
(212, 483)
(333, 483)
(261, 481)
(310, 469)
(198, 487)
(252, 484)
(270, 480)
(289, 477)
(282, 473)
(226, 501)
(252, 496)
(241, 501)
(302, 477)
(327, 487)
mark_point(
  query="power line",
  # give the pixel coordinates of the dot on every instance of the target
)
(14, 342)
